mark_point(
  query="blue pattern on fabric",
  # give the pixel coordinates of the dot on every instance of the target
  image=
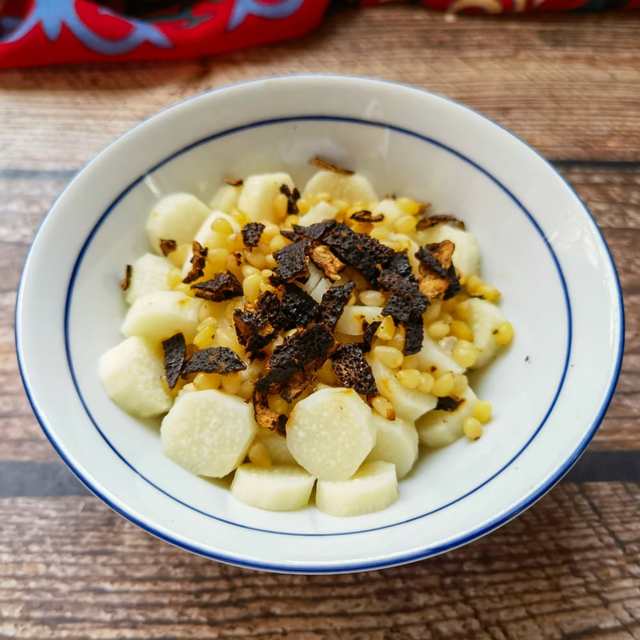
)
(243, 8)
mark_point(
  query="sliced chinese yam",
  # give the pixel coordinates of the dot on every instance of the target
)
(178, 217)
(160, 315)
(278, 488)
(466, 256)
(432, 357)
(318, 213)
(132, 375)
(322, 286)
(350, 188)
(353, 370)
(396, 442)
(258, 195)
(329, 433)
(149, 273)
(440, 428)
(223, 286)
(484, 318)
(251, 234)
(175, 354)
(389, 209)
(226, 198)
(208, 432)
(276, 445)
(409, 404)
(373, 488)
(353, 319)
(213, 360)
(315, 275)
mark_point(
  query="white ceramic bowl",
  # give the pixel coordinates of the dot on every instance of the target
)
(540, 247)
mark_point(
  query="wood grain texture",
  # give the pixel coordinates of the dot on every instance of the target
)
(569, 86)
(612, 193)
(568, 568)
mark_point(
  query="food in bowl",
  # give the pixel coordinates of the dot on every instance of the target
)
(305, 339)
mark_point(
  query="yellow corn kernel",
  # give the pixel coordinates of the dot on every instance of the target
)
(405, 224)
(387, 328)
(398, 338)
(379, 233)
(280, 204)
(461, 330)
(372, 298)
(446, 317)
(465, 353)
(504, 334)
(230, 310)
(240, 217)
(266, 273)
(231, 383)
(426, 383)
(472, 428)
(460, 384)
(303, 206)
(179, 256)
(251, 286)
(443, 386)
(409, 206)
(409, 378)
(474, 285)
(352, 300)
(326, 374)
(216, 262)
(389, 356)
(292, 219)
(207, 381)
(432, 312)
(222, 226)
(482, 411)
(259, 455)
(209, 309)
(266, 286)
(204, 338)
(278, 404)
(174, 278)
(226, 337)
(438, 330)
(184, 288)
(235, 242)
(246, 390)
(247, 270)
(276, 243)
(270, 261)
(462, 311)
(491, 294)
(255, 259)
(383, 407)
(208, 322)
(233, 266)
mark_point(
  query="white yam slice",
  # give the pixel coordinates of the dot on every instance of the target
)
(396, 442)
(176, 217)
(160, 315)
(373, 488)
(484, 319)
(432, 355)
(258, 193)
(318, 213)
(276, 446)
(441, 428)
(466, 255)
(389, 209)
(323, 285)
(352, 319)
(329, 433)
(350, 188)
(225, 198)
(131, 374)
(208, 432)
(409, 404)
(280, 488)
(149, 274)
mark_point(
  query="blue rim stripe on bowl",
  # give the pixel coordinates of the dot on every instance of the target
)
(422, 553)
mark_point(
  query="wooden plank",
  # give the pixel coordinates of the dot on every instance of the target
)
(568, 568)
(612, 193)
(568, 86)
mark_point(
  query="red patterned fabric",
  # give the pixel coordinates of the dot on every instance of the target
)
(42, 32)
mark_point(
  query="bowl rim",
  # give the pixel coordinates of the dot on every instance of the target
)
(428, 551)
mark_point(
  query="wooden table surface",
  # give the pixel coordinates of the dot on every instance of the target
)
(568, 568)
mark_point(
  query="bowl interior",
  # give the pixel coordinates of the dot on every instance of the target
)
(539, 247)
